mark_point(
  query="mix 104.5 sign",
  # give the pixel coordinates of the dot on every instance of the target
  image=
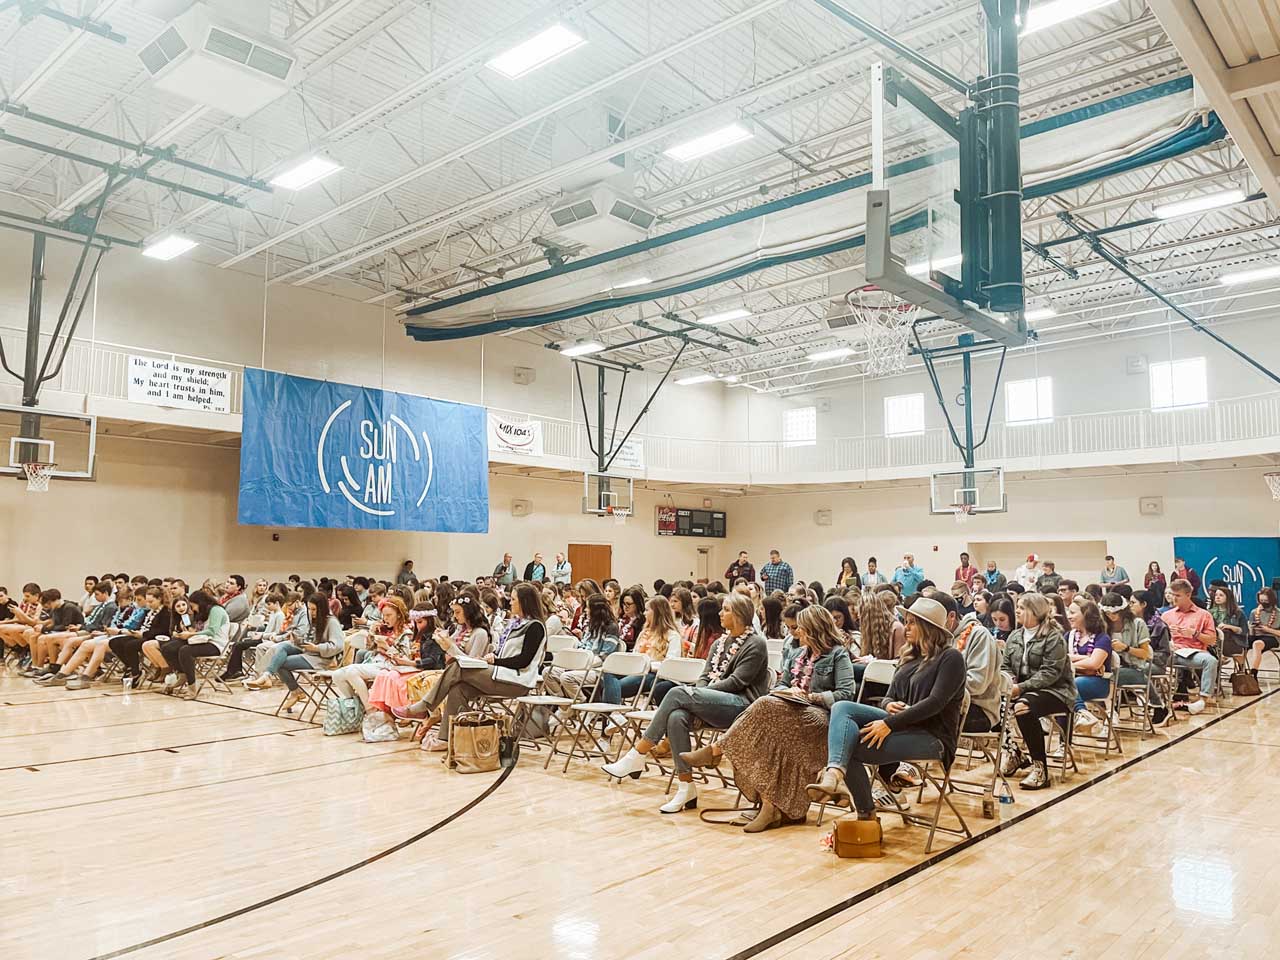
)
(321, 454)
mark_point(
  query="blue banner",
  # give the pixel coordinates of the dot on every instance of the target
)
(320, 454)
(1245, 563)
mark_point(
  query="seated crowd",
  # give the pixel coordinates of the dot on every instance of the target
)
(802, 730)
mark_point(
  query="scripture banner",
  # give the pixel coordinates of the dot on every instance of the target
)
(1245, 563)
(630, 457)
(515, 436)
(179, 383)
(320, 454)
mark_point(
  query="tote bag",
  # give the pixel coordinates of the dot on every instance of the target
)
(342, 715)
(474, 743)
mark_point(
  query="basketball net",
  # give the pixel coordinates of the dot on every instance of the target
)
(1273, 484)
(963, 512)
(619, 514)
(885, 324)
(38, 475)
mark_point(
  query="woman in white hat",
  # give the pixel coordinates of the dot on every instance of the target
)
(920, 720)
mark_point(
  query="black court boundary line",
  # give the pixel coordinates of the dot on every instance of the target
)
(837, 908)
(171, 748)
(103, 726)
(351, 868)
(202, 786)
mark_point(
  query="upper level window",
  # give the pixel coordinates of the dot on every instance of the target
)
(1029, 401)
(800, 427)
(1178, 383)
(904, 415)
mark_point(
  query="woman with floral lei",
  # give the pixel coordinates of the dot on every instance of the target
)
(736, 675)
(780, 744)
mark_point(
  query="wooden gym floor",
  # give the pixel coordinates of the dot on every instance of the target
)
(161, 828)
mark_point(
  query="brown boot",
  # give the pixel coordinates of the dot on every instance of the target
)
(768, 817)
(830, 789)
(702, 757)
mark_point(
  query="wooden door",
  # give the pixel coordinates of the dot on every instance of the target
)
(594, 560)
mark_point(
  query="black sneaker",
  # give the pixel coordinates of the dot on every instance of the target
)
(1159, 715)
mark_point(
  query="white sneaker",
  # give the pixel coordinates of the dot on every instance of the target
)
(686, 798)
(170, 681)
(1085, 720)
(630, 764)
(1195, 706)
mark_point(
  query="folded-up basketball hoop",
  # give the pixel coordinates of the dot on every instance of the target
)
(38, 474)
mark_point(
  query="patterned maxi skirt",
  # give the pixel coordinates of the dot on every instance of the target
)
(776, 749)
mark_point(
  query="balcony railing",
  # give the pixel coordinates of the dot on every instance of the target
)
(1251, 423)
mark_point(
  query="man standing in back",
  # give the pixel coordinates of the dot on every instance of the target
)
(908, 575)
(505, 572)
(1049, 580)
(1113, 574)
(993, 579)
(1182, 572)
(1029, 572)
(776, 574)
(562, 572)
(535, 570)
(967, 571)
(742, 567)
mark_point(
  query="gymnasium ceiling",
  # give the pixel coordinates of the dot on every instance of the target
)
(448, 168)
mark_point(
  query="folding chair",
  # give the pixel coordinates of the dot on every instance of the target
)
(209, 671)
(1135, 700)
(561, 641)
(1109, 737)
(987, 746)
(583, 713)
(943, 787)
(877, 671)
(775, 654)
(572, 658)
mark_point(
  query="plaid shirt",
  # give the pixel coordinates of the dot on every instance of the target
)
(777, 576)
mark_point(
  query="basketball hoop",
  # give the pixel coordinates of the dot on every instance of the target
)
(38, 474)
(885, 324)
(1273, 484)
(963, 512)
(620, 514)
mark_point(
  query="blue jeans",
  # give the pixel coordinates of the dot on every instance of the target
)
(847, 720)
(1090, 688)
(617, 689)
(285, 659)
(902, 745)
(681, 706)
(1133, 677)
(1207, 664)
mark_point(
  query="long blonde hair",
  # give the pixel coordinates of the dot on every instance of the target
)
(664, 624)
(876, 624)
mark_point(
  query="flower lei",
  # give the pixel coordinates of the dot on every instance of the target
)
(719, 658)
(802, 670)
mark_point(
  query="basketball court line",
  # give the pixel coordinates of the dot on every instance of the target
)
(211, 783)
(351, 868)
(104, 726)
(171, 748)
(835, 909)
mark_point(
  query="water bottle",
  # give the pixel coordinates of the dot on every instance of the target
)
(128, 689)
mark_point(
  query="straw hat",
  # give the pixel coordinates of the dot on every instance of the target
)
(931, 611)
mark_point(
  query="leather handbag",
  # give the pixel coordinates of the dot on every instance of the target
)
(418, 685)
(475, 743)
(342, 715)
(857, 839)
(1245, 685)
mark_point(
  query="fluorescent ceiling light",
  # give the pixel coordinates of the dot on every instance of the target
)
(637, 282)
(582, 348)
(730, 379)
(539, 50)
(695, 378)
(709, 142)
(166, 248)
(836, 354)
(1211, 201)
(1043, 313)
(735, 314)
(309, 171)
(1054, 12)
(750, 386)
(925, 267)
(1249, 276)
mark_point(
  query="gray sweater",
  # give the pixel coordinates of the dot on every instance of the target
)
(981, 666)
(329, 647)
(746, 673)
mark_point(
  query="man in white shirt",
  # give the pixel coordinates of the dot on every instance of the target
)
(562, 572)
(1029, 572)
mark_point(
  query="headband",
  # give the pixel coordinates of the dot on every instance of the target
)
(421, 614)
(1105, 609)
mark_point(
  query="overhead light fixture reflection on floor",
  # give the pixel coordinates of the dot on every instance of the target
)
(725, 317)
(167, 248)
(1249, 276)
(838, 353)
(1054, 12)
(539, 50)
(709, 143)
(1210, 201)
(309, 171)
(581, 348)
(925, 267)
(694, 378)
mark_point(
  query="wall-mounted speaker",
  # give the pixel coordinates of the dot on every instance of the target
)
(524, 375)
(521, 508)
(1151, 506)
(822, 518)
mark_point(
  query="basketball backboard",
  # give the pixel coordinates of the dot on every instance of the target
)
(968, 491)
(605, 494)
(30, 434)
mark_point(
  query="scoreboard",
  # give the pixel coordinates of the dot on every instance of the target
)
(682, 522)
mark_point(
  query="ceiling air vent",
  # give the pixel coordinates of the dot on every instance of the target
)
(601, 218)
(205, 59)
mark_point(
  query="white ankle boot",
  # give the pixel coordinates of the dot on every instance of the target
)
(630, 764)
(686, 798)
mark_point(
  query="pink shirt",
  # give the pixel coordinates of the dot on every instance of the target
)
(1187, 627)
